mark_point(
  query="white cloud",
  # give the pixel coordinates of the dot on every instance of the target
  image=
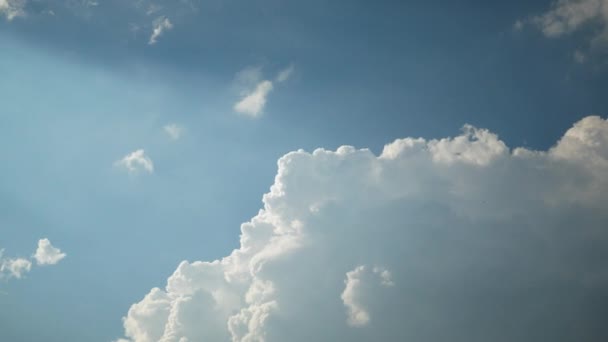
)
(136, 161)
(252, 104)
(174, 131)
(159, 26)
(284, 74)
(46, 254)
(471, 241)
(12, 8)
(15, 268)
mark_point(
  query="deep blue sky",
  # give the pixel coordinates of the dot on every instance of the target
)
(79, 90)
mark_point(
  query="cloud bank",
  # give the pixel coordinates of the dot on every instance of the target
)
(455, 239)
(46, 254)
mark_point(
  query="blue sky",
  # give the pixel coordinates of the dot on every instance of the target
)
(82, 87)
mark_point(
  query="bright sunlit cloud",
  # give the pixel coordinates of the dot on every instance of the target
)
(357, 246)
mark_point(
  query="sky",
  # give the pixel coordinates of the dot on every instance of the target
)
(219, 170)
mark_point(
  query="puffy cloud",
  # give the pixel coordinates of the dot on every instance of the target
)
(174, 131)
(458, 239)
(159, 26)
(12, 8)
(14, 267)
(136, 161)
(46, 254)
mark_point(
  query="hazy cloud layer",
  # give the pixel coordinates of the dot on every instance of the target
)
(456, 239)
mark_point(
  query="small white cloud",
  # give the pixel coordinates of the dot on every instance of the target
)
(12, 8)
(174, 131)
(253, 103)
(14, 268)
(284, 74)
(519, 25)
(160, 25)
(47, 254)
(136, 161)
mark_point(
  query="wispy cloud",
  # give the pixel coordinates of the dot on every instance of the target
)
(569, 16)
(257, 89)
(12, 8)
(136, 161)
(285, 74)
(174, 131)
(159, 26)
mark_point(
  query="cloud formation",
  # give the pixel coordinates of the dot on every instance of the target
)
(136, 161)
(12, 8)
(159, 26)
(569, 16)
(256, 91)
(253, 103)
(46, 254)
(458, 239)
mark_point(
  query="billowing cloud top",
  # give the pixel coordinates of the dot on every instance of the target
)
(457, 239)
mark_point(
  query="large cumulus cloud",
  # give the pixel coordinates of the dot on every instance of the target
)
(458, 239)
